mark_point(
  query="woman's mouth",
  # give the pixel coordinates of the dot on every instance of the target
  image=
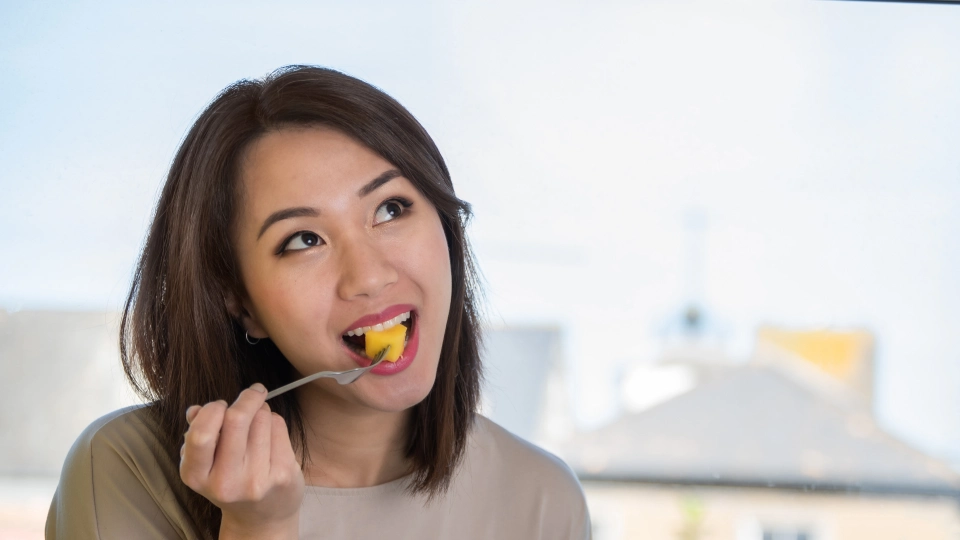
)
(355, 339)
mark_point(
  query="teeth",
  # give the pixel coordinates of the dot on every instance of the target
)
(380, 327)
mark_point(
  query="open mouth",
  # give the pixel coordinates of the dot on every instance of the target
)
(356, 339)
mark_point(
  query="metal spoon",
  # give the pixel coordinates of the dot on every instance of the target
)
(342, 377)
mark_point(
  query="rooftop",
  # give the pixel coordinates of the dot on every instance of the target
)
(759, 425)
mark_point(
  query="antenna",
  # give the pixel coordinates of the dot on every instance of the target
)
(695, 228)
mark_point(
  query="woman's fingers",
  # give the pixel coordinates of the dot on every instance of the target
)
(284, 467)
(241, 455)
(200, 443)
(232, 446)
(192, 413)
(283, 461)
(240, 458)
(258, 451)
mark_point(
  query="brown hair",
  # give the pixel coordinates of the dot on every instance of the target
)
(179, 344)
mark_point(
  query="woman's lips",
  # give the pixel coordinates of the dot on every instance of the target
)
(382, 317)
(390, 368)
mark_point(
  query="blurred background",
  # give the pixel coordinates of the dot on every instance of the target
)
(718, 238)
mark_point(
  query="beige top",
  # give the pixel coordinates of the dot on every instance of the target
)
(116, 484)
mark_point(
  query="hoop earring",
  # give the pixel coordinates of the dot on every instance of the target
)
(253, 341)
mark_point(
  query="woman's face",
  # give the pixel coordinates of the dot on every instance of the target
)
(330, 237)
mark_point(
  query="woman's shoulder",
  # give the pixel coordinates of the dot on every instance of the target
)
(126, 439)
(510, 458)
(132, 428)
(527, 487)
(117, 480)
(512, 454)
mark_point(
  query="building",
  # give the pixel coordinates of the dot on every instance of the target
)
(61, 370)
(524, 384)
(774, 449)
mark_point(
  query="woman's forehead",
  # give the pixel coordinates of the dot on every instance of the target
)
(307, 161)
(317, 168)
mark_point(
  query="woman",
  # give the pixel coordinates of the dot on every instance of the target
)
(300, 211)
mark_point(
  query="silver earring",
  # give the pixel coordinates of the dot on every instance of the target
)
(251, 341)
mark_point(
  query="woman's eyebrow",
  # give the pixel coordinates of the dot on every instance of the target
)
(384, 177)
(306, 211)
(287, 213)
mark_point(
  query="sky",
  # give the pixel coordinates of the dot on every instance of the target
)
(813, 141)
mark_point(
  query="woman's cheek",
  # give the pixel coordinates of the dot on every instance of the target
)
(290, 313)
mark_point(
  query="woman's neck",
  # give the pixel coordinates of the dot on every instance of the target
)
(352, 446)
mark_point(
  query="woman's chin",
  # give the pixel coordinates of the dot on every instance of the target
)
(392, 394)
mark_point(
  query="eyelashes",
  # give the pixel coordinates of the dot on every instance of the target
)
(392, 209)
(300, 240)
(389, 210)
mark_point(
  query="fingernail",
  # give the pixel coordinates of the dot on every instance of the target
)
(192, 412)
(259, 388)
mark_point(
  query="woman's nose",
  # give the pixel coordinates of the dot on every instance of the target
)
(365, 270)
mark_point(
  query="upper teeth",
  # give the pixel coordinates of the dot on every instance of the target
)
(380, 327)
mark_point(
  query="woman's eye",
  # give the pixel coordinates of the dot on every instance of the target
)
(389, 210)
(301, 240)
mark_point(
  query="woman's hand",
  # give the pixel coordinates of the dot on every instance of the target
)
(240, 458)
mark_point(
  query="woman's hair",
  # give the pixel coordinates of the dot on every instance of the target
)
(180, 345)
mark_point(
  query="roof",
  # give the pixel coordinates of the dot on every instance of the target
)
(758, 426)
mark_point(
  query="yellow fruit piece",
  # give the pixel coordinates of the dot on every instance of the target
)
(393, 337)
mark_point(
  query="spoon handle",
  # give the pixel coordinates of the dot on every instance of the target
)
(309, 378)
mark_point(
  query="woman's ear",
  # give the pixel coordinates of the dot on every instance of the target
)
(238, 310)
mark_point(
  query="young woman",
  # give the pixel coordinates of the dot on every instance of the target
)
(302, 210)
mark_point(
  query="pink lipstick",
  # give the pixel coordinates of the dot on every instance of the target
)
(410, 347)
